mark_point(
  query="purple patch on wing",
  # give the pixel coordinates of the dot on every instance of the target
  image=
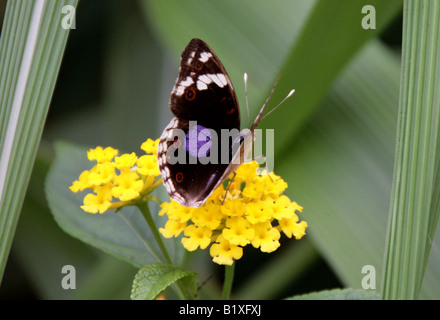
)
(198, 141)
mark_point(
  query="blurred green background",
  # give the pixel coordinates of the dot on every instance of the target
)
(334, 138)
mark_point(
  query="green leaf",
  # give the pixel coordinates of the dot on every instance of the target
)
(313, 64)
(340, 167)
(31, 47)
(339, 294)
(154, 278)
(414, 208)
(124, 234)
(41, 249)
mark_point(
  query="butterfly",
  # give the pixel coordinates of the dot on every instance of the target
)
(205, 106)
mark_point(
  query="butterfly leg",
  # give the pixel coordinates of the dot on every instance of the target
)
(229, 185)
(265, 164)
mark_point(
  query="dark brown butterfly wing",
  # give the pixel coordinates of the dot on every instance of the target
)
(204, 94)
(203, 91)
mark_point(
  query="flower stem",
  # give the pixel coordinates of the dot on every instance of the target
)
(227, 285)
(143, 207)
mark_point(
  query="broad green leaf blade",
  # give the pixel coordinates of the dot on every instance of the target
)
(31, 47)
(330, 38)
(413, 207)
(340, 167)
(41, 249)
(339, 294)
(124, 234)
(154, 278)
(109, 279)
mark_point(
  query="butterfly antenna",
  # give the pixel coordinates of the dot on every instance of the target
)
(260, 114)
(246, 94)
(287, 97)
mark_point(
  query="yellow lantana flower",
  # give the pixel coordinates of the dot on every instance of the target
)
(223, 252)
(125, 162)
(82, 182)
(252, 210)
(197, 237)
(127, 186)
(148, 166)
(98, 202)
(102, 155)
(117, 180)
(101, 174)
(255, 212)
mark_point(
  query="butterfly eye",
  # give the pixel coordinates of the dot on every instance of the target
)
(190, 94)
(179, 177)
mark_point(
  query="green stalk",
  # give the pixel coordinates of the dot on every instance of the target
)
(31, 47)
(227, 284)
(143, 207)
(414, 207)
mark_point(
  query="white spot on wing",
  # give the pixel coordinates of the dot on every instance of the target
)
(177, 197)
(191, 56)
(179, 88)
(205, 78)
(222, 78)
(166, 172)
(201, 85)
(204, 56)
(203, 81)
(219, 79)
(187, 82)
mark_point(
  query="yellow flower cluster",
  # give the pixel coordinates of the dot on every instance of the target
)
(254, 212)
(124, 177)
